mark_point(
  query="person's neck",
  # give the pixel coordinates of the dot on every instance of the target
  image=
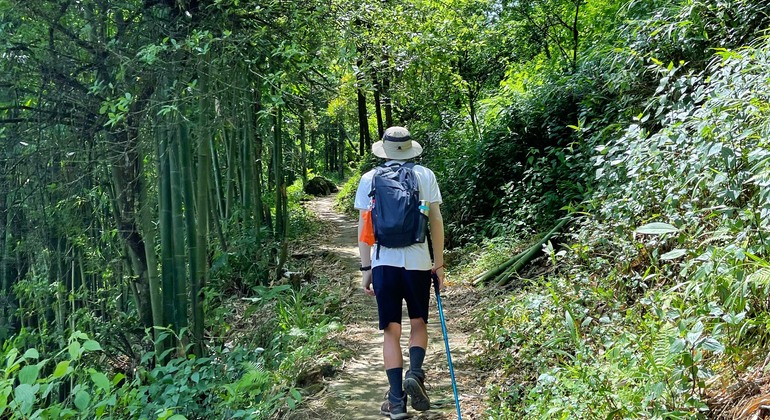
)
(389, 161)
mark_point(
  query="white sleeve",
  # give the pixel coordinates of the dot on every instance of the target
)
(428, 184)
(362, 193)
(435, 192)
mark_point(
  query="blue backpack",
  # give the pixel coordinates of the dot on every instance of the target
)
(396, 214)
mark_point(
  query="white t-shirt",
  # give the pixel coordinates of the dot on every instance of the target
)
(415, 256)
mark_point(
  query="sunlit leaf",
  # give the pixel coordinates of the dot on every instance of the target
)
(656, 228)
(61, 369)
(673, 254)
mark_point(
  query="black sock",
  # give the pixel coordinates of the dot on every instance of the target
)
(416, 357)
(395, 379)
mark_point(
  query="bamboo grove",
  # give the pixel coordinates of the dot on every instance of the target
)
(145, 142)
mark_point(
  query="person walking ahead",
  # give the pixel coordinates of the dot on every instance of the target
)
(396, 274)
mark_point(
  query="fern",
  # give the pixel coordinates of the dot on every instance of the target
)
(660, 357)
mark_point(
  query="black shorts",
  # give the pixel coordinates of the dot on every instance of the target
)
(392, 285)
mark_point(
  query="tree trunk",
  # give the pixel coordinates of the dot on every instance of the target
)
(303, 149)
(231, 177)
(364, 138)
(387, 103)
(217, 192)
(247, 163)
(281, 218)
(378, 112)
(341, 150)
(126, 180)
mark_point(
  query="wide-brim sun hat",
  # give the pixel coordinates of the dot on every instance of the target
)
(396, 143)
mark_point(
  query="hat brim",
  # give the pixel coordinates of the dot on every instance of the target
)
(379, 150)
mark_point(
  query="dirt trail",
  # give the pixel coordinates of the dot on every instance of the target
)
(358, 390)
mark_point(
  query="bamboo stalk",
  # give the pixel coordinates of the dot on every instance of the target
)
(496, 271)
(200, 275)
(178, 223)
(166, 238)
(149, 235)
(530, 254)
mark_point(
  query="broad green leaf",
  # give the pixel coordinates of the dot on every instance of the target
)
(74, 350)
(656, 228)
(28, 374)
(296, 395)
(100, 380)
(117, 378)
(673, 254)
(31, 354)
(177, 417)
(82, 399)
(677, 346)
(61, 369)
(711, 344)
(694, 334)
(79, 335)
(91, 345)
(24, 395)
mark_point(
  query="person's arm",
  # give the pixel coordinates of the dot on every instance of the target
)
(365, 250)
(437, 239)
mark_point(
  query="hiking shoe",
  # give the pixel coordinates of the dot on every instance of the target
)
(395, 411)
(415, 389)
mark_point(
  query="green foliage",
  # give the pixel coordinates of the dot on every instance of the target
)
(232, 381)
(664, 285)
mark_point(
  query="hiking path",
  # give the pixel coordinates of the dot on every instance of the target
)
(358, 389)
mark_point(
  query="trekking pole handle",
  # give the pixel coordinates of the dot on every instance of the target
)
(434, 275)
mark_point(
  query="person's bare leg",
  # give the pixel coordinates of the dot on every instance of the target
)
(391, 347)
(419, 333)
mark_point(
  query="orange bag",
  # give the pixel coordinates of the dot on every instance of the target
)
(367, 230)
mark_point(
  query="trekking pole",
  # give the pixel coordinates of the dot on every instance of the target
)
(446, 344)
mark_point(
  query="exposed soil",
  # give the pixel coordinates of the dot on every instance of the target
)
(358, 389)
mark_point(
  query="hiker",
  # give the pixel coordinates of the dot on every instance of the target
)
(398, 273)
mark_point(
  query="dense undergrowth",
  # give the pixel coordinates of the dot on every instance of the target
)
(657, 299)
(265, 346)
